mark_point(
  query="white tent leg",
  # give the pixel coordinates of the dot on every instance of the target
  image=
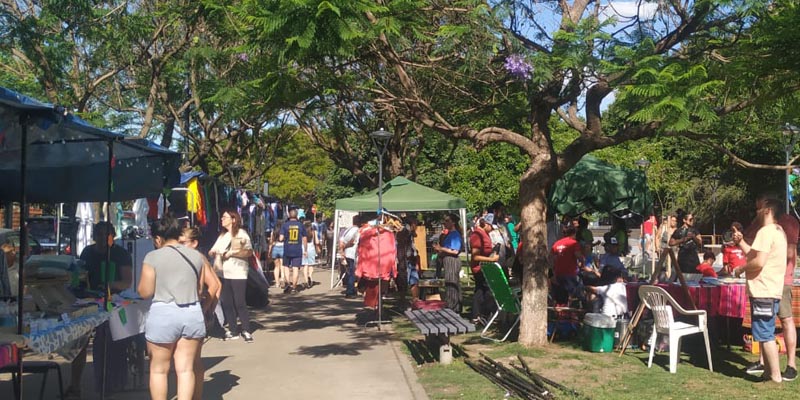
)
(334, 270)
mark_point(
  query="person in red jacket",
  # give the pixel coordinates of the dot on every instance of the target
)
(567, 257)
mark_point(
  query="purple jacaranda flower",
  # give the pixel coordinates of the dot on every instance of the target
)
(517, 66)
(243, 57)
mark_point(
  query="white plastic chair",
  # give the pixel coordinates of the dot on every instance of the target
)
(662, 306)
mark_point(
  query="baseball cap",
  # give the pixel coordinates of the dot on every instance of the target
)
(489, 218)
(613, 241)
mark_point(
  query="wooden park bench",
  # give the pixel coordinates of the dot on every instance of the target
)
(438, 326)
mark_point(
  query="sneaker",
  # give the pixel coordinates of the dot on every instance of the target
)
(755, 368)
(287, 289)
(789, 375)
(247, 337)
(293, 290)
(230, 336)
(310, 283)
(350, 296)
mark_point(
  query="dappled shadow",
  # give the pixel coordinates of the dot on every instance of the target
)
(726, 362)
(333, 349)
(221, 383)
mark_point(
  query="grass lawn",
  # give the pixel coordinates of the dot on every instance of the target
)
(596, 375)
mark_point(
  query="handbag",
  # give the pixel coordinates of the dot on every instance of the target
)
(763, 307)
(207, 302)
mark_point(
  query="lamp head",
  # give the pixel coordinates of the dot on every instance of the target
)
(381, 135)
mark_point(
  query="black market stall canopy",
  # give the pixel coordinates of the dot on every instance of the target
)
(68, 160)
(593, 185)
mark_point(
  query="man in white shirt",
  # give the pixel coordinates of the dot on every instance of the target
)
(347, 249)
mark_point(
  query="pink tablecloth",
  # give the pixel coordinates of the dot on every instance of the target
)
(724, 300)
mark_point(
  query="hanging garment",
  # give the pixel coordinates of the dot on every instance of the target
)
(141, 209)
(153, 208)
(374, 248)
(194, 200)
(85, 215)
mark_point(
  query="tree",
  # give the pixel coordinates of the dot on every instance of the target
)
(447, 65)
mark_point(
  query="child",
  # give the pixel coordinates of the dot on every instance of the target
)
(706, 267)
(614, 297)
(732, 255)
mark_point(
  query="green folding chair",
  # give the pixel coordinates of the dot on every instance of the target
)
(506, 299)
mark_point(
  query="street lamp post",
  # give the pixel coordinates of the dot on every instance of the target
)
(236, 171)
(715, 185)
(380, 139)
(791, 134)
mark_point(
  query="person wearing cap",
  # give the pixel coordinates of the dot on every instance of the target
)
(498, 241)
(611, 261)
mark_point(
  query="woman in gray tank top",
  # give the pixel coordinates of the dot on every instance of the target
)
(174, 329)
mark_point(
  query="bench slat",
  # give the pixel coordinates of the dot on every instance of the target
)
(464, 325)
(444, 327)
(422, 322)
(414, 317)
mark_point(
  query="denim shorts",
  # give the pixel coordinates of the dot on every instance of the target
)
(277, 252)
(413, 274)
(764, 327)
(168, 322)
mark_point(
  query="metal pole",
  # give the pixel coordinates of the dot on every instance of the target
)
(380, 219)
(380, 139)
(23, 239)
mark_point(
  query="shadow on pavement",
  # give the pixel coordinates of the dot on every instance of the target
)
(219, 383)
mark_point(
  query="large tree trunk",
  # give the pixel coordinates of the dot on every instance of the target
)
(535, 253)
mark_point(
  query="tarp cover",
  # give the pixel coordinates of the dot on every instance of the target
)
(593, 185)
(401, 194)
(68, 158)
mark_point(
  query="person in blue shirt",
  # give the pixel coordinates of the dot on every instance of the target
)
(294, 238)
(448, 252)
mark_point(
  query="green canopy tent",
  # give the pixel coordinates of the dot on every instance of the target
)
(399, 195)
(594, 185)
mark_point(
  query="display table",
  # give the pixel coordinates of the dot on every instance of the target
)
(726, 300)
(127, 319)
(50, 340)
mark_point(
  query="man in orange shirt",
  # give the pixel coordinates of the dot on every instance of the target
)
(765, 270)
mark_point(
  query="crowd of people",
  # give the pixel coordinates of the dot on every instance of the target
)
(183, 298)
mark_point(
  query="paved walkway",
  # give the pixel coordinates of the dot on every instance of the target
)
(307, 346)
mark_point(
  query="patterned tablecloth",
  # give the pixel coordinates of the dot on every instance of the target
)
(795, 309)
(728, 300)
(50, 340)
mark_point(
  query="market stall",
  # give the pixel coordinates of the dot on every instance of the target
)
(48, 155)
(399, 195)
